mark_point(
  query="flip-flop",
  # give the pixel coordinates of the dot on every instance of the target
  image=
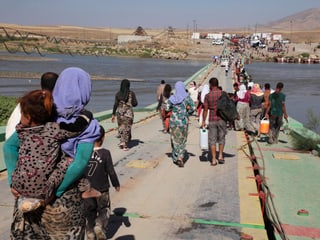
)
(214, 164)
(221, 161)
(180, 163)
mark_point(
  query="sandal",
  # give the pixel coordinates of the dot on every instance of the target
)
(180, 163)
(214, 163)
(221, 161)
(125, 148)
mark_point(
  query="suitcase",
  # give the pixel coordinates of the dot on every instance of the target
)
(204, 139)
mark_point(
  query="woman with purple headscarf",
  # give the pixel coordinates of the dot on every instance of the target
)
(181, 106)
(63, 217)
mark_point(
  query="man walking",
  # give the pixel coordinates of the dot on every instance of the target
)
(217, 126)
(277, 109)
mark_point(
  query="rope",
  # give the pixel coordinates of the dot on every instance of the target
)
(265, 195)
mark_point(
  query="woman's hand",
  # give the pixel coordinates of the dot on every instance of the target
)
(112, 118)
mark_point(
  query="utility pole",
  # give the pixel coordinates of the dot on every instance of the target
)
(187, 31)
(291, 31)
(194, 25)
(194, 30)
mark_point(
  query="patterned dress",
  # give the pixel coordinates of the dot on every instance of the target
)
(125, 116)
(179, 120)
(40, 168)
(61, 219)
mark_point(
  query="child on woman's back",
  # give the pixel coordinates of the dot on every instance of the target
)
(39, 170)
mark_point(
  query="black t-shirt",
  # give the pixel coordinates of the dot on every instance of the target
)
(100, 169)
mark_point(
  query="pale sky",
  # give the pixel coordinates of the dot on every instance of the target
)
(149, 13)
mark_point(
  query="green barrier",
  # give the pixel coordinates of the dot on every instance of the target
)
(209, 222)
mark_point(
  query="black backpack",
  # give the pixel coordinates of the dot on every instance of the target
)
(226, 108)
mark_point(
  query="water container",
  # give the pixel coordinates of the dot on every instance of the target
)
(264, 126)
(203, 139)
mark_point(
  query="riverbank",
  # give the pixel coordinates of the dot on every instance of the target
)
(174, 44)
(31, 75)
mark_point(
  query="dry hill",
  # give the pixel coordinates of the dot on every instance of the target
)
(307, 20)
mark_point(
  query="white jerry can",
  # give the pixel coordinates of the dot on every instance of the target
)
(204, 139)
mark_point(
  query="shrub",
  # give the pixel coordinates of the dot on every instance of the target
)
(305, 143)
(313, 121)
(7, 104)
(305, 55)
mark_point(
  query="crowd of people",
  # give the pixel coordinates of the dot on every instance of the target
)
(253, 103)
(59, 172)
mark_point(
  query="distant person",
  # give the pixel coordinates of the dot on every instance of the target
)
(226, 69)
(124, 102)
(99, 170)
(256, 100)
(204, 92)
(217, 126)
(165, 115)
(235, 90)
(48, 80)
(193, 91)
(243, 108)
(266, 94)
(160, 89)
(238, 70)
(277, 111)
(235, 100)
(181, 106)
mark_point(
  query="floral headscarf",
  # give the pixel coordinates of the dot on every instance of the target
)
(256, 90)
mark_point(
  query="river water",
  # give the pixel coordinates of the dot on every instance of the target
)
(301, 85)
(301, 81)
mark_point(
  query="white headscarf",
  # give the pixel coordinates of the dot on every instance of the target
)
(205, 90)
(242, 91)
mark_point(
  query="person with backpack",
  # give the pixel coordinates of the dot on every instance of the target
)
(217, 126)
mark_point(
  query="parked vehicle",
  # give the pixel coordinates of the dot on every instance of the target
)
(217, 42)
(285, 41)
(262, 45)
